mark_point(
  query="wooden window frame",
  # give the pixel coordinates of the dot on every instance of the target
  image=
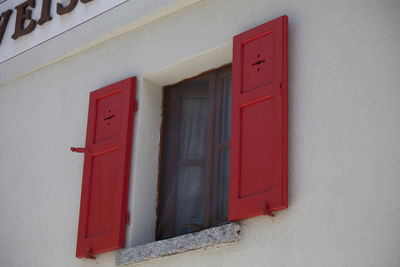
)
(214, 146)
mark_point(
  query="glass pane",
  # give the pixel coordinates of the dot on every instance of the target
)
(189, 199)
(193, 127)
(223, 184)
(226, 109)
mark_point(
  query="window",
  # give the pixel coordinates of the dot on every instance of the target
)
(211, 121)
(194, 182)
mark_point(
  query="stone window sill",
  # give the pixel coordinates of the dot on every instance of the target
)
(227, 233)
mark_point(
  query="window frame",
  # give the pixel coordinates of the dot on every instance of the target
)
(214, 146)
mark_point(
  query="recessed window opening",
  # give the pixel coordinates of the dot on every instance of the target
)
(194, 178)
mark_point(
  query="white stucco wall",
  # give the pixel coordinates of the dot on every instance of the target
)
(344, 127)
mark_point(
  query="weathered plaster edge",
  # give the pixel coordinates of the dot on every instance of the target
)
(227, 233)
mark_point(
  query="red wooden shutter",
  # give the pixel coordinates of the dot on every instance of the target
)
(258, 166)
(103, 210)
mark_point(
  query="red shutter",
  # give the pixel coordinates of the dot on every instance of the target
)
(258, 168)
(103, 210)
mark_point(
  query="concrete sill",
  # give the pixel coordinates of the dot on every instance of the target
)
(227, 233)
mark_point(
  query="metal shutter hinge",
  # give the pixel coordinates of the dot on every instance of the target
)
(88, 253)
(266, 210)
(279, 88)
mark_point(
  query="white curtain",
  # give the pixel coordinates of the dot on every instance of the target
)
(190, 179)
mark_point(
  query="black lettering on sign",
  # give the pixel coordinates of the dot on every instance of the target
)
(5, 16)
(61, 10)
(45, 16)
(25, 24)
(24, 14)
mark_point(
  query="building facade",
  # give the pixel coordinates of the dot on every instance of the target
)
(343, 126)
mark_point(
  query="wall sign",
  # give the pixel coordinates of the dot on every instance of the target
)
(27, 23)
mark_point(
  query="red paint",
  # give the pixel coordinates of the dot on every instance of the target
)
(258, 166)
(78, 149)
(102, 218)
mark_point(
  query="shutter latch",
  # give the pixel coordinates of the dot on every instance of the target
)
(266, 210)
(78, 149)
(135, 106)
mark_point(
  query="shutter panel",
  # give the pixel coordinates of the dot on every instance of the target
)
(103, 209)
(258, 166)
